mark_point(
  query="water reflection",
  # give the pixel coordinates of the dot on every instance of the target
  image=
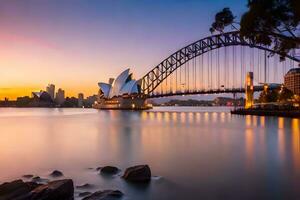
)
(195, 151)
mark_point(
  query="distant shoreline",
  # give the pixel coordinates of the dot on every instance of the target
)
(263, 112)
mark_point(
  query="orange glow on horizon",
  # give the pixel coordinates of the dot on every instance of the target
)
(13, 92)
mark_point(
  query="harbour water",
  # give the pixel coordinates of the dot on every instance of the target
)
(193, 152)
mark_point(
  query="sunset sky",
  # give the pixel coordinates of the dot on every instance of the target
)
(74, 44)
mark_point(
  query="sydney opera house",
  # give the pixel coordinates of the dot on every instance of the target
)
(124, 92)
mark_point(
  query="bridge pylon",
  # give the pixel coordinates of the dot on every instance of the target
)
(249, 89)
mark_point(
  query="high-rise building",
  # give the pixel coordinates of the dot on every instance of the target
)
(50, 89)
(292, 80)
(60, 96)
(80, 100)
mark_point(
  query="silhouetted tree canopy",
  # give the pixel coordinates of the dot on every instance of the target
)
(285, 95)
(222, 19)
(268, 96)
(274, 23)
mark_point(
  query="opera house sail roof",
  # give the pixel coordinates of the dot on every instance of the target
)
(123, 84)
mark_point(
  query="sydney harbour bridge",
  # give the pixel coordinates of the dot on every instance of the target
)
(221, 63)
(217, 64)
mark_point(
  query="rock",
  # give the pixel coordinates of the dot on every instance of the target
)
(56, 173)
(27, 176)
(14, 190)
(99, 168)
(84, 194)
(105, 195)
(54, 190)
(39, 179)
(36, 178)
(32, 185)
(85, 186)
(139, 173)
(109, 170)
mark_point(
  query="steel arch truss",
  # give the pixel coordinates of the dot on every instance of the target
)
(159, 73)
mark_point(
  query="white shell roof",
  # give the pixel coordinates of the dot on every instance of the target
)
(119, 83)
(37, 94)
(129, 87)
(105, 88)
(119, 86)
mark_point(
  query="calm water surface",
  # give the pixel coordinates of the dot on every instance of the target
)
(194, 153)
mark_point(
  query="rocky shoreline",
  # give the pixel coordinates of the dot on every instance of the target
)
(37, 188)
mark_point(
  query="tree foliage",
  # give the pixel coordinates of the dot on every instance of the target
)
(273, 23)
(268, 96)
(222, 19)
(285, 95)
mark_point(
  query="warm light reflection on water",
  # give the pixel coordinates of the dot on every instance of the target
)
(202, 152)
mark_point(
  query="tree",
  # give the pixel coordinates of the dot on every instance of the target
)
(268, 96)
(273, 23)
(222, 19)
(285, 95)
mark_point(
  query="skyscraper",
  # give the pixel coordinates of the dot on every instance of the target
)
(80, 100)
(50, 89)
(60, 96)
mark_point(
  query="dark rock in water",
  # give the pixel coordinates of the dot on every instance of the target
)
(99, 168)
(85, 186)
(14, 190)
(84, 194)
(27, 176)
(56, 173)
(39, 179)
(139, 173)
(54, 190)
(109, 170)
(19, 190)
(36, 178)
(105, 195)
(32, 185)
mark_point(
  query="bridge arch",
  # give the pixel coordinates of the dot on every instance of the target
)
(158, 74)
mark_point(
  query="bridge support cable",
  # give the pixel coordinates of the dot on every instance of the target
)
(176, 88)
(225, 69)
(233, 66)
(202, 72)
(265, 66)
(217, 67)
(211, 70)
(258, 65)
(195, 73)
(188, 76)
(242, 68)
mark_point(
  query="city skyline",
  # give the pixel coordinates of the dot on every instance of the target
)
(76, 45)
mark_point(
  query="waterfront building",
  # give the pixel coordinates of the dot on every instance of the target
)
(292, 80)
(123, 84)
(51, 90)
(124, 92)
(42, 95)
(60, 96)
(80, 100)
(42, 99)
